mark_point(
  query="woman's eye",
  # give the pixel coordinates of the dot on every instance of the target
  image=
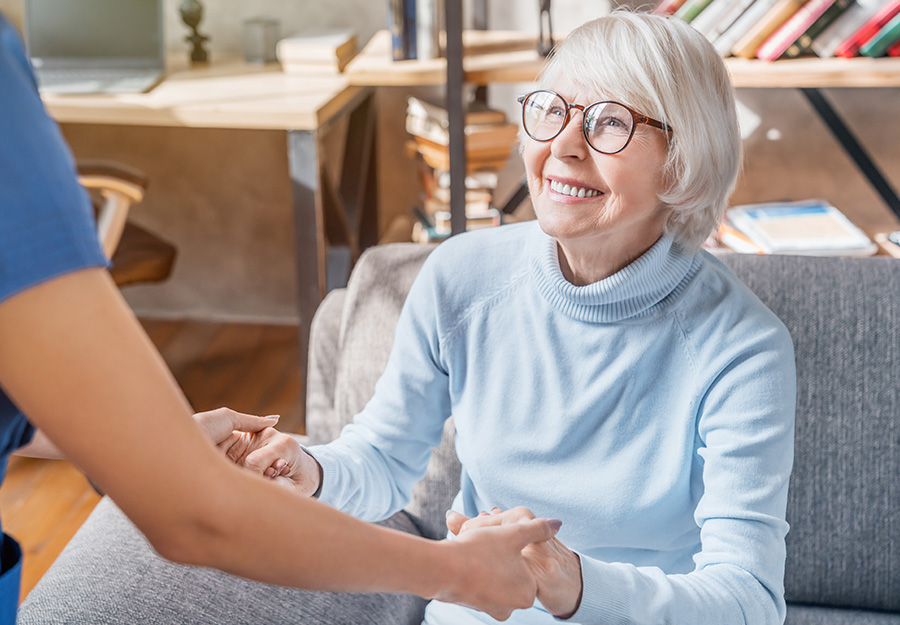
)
(557, 111)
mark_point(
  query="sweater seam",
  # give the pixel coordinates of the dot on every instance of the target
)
(480, 305)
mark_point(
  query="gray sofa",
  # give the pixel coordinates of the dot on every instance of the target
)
(843, 564)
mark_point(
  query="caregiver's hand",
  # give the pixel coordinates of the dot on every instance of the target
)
(225, 426)
(555, 567)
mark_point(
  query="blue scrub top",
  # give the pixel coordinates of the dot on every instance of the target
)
(47, 229)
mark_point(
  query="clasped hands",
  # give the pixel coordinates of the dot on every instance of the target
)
(253, 443)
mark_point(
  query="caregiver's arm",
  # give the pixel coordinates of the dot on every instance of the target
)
(77, 362)
(222, 426)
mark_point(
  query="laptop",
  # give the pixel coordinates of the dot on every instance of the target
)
(95, 46)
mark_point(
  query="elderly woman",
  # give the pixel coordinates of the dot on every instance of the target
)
(599, 368)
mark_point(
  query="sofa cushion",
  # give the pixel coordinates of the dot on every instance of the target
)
(109, 574)
(843, 548)
(813, 615)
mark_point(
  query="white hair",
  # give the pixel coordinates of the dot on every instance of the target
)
(663, 68)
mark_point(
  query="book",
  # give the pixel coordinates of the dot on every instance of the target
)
(478, 136)
(732, 238)
(757, 32)
(691, 9)
(848, 23)
(475, 115)
(850, 47)
(889, 242)
(811, 227)
(879, 44)
(401, 23)
(667, 7)
(803, 45)
(742, 25)
(475, 219)
(333, 45)
(791, 30)
(411, 33)
(474, 180)
(710, 16)
(428, 29)
(438, 156)
(735, 10)
(894, 50)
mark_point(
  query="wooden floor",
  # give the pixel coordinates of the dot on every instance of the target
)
(251, 368)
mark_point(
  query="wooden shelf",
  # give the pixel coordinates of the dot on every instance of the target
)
(508, 56)
(815, 72)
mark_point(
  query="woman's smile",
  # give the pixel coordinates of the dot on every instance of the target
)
(568, 191)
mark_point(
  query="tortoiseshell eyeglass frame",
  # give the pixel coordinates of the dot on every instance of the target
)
(637, 117)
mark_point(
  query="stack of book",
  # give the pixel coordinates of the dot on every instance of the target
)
(774, 29)
(325, 51)
(810, 227)
(489, 142)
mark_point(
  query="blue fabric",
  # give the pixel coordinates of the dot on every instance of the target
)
(10, 580)
(652, 412)
(46, 222)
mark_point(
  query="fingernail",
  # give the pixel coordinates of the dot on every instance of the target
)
(269, 473)
(482, 513)
(449, 512)
(273, 416)
(554, 523)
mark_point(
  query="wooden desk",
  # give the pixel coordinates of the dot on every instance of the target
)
(236, 95)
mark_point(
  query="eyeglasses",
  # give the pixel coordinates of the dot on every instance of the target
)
(607, 126)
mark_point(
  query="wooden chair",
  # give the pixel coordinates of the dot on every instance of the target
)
(137, 254)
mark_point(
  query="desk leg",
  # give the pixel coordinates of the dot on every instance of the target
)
(853, 148)
(309, 237)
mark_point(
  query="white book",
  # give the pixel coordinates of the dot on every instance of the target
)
(810, 227)
(742, 25)
(735, 10)
(848, 23)
(324, 44)
(710, 16)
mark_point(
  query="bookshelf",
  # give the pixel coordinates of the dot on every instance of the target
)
(484, 57)
(510, 56)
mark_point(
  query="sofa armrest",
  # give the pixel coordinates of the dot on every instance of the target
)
(321, 421)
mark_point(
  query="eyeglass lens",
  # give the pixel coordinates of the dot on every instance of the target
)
(607, 125)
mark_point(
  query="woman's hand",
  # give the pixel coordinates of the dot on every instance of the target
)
(491, 573)
(224, 426)
(555, 567)
(278, 456)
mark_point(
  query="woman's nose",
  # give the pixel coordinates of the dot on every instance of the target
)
(570, 143)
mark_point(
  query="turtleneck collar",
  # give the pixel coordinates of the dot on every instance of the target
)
(636, 290)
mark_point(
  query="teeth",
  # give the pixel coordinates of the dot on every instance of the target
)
(572, 191)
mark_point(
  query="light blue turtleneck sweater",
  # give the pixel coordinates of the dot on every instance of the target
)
(651, 411)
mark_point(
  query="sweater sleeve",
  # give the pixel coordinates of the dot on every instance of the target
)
(745, 437)
(370, 470)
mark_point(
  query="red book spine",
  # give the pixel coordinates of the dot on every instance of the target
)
(667, 7)
(894, 50)
(851, 46)
(790, 31)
